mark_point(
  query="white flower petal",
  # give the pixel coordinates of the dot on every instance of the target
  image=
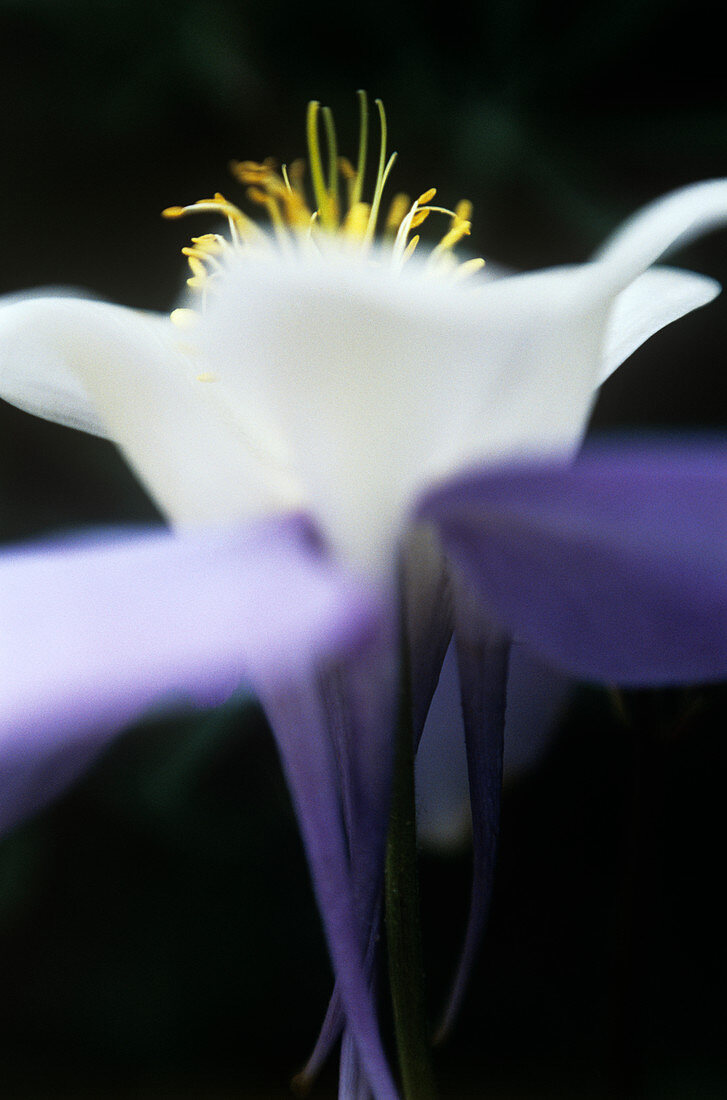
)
(36, 370)
(129, 376)
(382, 381)
(663, 225)
(651, 302)
(358, 382)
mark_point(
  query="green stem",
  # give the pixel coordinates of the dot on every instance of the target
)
(403, 930)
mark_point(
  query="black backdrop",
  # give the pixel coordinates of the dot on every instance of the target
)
(157, 932)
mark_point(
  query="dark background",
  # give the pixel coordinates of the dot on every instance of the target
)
(157, 932)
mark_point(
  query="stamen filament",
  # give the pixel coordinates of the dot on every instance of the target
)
(398, 210)
(377, 199)
(409, 249)
(316, 164)
(332, 163)
(363, 141)
(381, 175)
(218, 205)
(276, 218)
(337, 207)
(467, 268)
(452, 237)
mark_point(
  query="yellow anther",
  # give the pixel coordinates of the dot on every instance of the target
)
(264, 198)
(397, 212)
(405, 227)
(186, 347)
(295, 210)
(238, 222)
(206, 377)
(346, 169)
(350, 178)
(463, 210)
(426, 197)
(245, 170)
(184, 319)
(256, 194)
(468, 268)
(198, 268)
(206, 248)
(296, 174)
(453, 236)
(298, 222)
(409, 248)
(419, 217)
(212, 243)
(356, 220)
(198, 257)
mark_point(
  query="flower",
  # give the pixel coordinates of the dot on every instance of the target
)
(337, 429)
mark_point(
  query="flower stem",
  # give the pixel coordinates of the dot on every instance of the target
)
(403, 929)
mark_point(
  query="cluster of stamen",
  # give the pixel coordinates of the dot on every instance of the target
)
(337, 209)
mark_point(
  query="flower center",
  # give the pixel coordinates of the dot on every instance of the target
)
(331, 207)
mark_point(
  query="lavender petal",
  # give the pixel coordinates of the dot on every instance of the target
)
(301, 727)
(97, 631)
(613, 568)
(482, 658)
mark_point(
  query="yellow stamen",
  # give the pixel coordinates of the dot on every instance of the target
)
(237, 221)
(405, 227)
(397, 212)
(198, 268)
(264, 198)
(363, 142)
(419, 217)
(316, 166)
(346, 169)
(463, 210)
(253, 171)
(298, 223)
(469, 267)
(452, 237)
(381, 176)
(296, 172)
(356, 221)
(409, 249)
(332, 163)
(427, 197)
(184, 319)
(201, 255)
(348, 175)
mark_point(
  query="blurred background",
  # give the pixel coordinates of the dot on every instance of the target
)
(158, 936)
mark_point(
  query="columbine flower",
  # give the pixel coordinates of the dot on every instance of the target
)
(331, 426)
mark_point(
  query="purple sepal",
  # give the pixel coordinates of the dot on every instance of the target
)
(351, 1082)
(482, 659)
(359, 706)
(300, 720)
(96, 632)
(613, 567)
(427, 600)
